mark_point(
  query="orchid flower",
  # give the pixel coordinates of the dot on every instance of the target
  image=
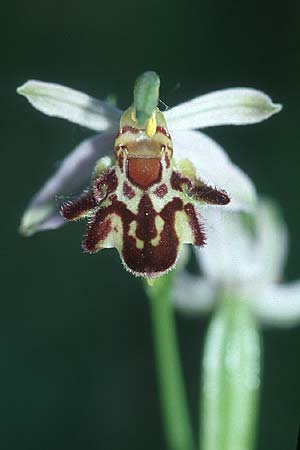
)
(244, 262)
(146, 200)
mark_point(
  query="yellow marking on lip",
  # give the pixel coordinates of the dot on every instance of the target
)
(159, 224)
(139, 244)
(132, 232)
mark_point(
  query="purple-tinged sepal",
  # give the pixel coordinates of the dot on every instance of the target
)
(73, 175)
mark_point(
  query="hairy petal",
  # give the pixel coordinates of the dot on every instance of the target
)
(60, 101)
(279, 304)
(192, 295)
(73, 174)
(213, 166)
(237, 106)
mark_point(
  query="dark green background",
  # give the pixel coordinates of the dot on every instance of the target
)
(76, 357)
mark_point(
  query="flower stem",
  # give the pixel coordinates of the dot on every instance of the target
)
(172, 392)
(230, 379)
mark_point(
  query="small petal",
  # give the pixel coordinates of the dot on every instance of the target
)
(59, 101)
(192, 295)
(214, 167)
(237, 106)
(279, 305)
(74, 174)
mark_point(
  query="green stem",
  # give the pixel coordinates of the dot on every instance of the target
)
(230, 379)
(172, 393)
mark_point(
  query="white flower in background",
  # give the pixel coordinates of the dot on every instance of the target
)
(243, 260)
(238, 106)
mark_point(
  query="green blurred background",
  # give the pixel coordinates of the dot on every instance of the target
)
(76, 353)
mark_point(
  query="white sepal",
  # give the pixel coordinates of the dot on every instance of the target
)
(192, 295)
(227, 258)
(271, 244)
(236, 106)
(214, 167)
(279, 304)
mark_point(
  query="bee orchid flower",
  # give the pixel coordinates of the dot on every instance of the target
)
(148, 174)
